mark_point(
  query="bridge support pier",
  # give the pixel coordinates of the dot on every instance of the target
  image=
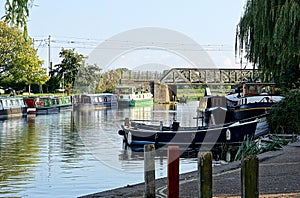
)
(162, 93)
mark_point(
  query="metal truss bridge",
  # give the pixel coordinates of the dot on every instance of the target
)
(188, 76)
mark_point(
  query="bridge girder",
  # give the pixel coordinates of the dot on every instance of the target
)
(208, 76)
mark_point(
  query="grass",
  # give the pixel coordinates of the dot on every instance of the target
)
(253, 147)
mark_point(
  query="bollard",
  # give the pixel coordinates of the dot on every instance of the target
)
(173, 171)
(149, 168)
(249, 177)
(205, 174)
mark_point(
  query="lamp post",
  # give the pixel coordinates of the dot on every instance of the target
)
(63, 82)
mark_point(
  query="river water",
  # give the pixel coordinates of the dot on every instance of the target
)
(74, 153)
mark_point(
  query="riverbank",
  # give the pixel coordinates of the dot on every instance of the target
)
(279, 176)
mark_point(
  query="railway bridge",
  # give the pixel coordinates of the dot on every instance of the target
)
(164, 84)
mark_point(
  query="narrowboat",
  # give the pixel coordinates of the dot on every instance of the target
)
(63, 102)
(48, 104)
(42, 105)
(12, 107)
(94, 101)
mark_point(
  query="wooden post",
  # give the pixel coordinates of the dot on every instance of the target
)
(249, 177)
(173, 171)
(205, 174)
(149, 168)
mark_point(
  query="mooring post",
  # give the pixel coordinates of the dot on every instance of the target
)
(249, 176)
(149, 168)
(205, 174)
(173, 171)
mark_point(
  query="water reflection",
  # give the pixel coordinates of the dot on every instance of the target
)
(75, 153)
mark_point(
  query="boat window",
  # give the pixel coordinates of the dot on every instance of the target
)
(95, 99)
(12, 103)
(250, 90)
(4, 103)
(86, 100)
(1, 107)
(21, 102)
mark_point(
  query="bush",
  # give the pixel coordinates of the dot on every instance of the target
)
(284, 116)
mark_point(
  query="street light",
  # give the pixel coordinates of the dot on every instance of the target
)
(63, 82)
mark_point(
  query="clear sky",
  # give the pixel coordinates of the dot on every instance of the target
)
(85, 24)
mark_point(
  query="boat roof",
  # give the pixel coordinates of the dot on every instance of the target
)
(257, 83)
(99, 94)
(125, 86)
(11, 97)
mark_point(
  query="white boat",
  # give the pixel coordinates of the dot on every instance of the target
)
(129, 96)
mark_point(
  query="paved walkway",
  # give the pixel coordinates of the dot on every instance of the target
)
(279, 176)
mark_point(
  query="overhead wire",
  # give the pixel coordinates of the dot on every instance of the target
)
(87, 43)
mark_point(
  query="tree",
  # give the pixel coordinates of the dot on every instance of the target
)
(66, 72)
(109, 80)
(17, 12)
(19, 61)
(284, 116)
(87, 79)
(269, 33)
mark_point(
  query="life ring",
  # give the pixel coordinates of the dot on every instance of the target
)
(228, 134)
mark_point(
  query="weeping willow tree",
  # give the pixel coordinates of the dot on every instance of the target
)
(268, 36)
(17, 12)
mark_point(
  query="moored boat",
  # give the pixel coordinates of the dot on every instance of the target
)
(129, 96)
(94, 101)
(141, 134)
(254, 100)
(63, 102)
(12, 107)
(42, 105)
(46, 105)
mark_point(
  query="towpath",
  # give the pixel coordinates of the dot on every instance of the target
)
(279, 176)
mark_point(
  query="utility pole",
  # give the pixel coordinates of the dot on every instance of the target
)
(49, 57)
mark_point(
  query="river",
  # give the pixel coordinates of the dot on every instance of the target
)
(78, 153)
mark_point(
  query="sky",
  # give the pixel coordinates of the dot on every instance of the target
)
(83, 25)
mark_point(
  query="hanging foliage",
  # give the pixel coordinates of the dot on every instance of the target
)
(268, 33)
(17, 12)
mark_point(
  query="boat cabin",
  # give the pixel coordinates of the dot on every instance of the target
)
(207, 102)
(124, 90)
(254, 89)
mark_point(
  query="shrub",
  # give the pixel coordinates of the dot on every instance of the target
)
(284, 116)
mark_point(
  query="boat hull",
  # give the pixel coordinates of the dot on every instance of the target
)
(135, 103)
(251, 110)
(13, 112)
(11, 107)
(188, 136)
(47, 105)
(94, 101)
